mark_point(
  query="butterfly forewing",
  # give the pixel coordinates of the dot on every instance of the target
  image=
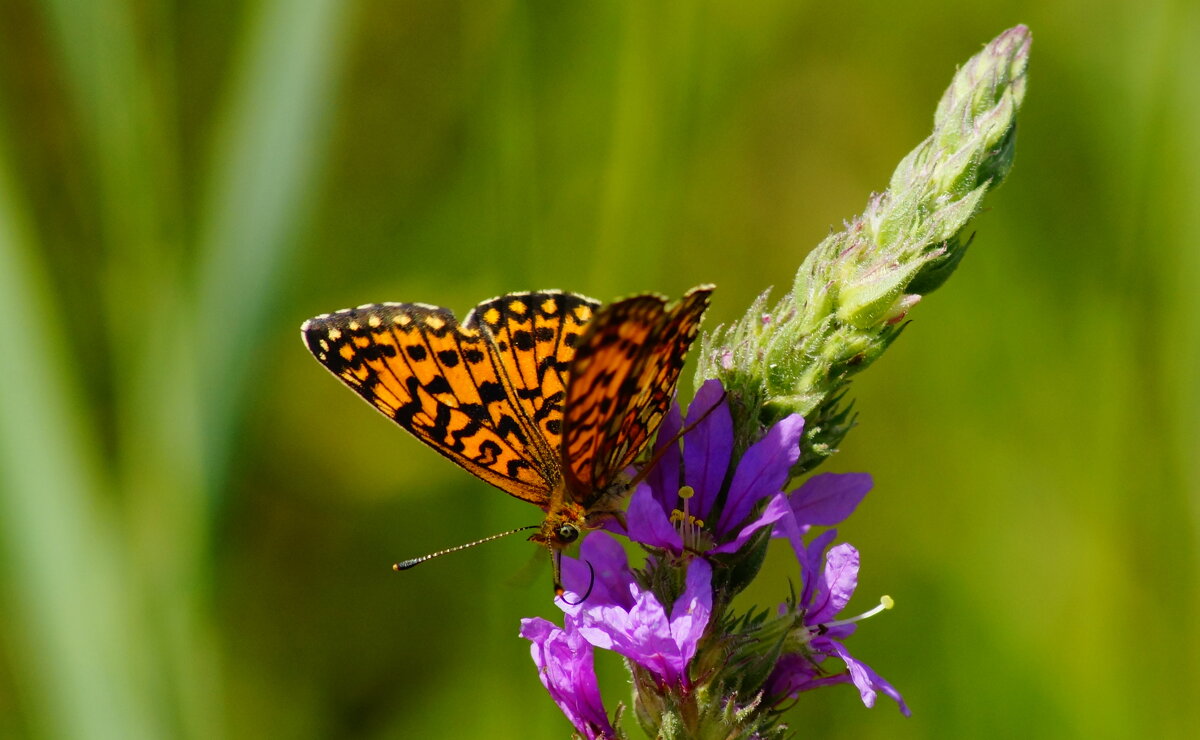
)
(534, 337)
(622, 381)
(440, 381)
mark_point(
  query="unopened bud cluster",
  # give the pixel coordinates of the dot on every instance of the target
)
(852, 293)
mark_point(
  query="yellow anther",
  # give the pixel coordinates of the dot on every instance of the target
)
(686, 492)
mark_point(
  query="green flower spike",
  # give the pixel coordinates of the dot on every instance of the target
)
(853, 291)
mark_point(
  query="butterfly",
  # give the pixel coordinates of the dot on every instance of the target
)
(548, 395)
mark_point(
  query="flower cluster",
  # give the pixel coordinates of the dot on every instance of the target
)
(705, 517)
(770, 407)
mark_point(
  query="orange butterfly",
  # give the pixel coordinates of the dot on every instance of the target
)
(547, 396)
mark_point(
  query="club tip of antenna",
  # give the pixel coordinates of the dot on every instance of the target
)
(406, 564)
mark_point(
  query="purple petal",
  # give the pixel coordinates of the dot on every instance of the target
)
(689, 615)
(791, 672)
(664, 478)
(777, 511)
(794, 673)
(841, 578)
(707, 446)
(566, 668)
(649, 524)
(788, 527)
(763, 471)
(601, 572)
(641, 633)
(810, 563)
(644, 633)
(867, 681)
(614, 525)
(829, 498)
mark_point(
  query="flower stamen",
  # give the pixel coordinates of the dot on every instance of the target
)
(885, 602)
(690, 528)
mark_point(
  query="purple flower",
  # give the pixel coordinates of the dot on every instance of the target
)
(825, 500)
(619, 615)
(686, 503)
(564, 661)
(821, 600)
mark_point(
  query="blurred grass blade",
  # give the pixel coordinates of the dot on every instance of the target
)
(60, 550)
(120, 91)
(121, 116)
(264, 160)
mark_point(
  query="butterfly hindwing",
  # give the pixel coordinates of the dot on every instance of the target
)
(622, 382)
(442, 382)
(659, 367)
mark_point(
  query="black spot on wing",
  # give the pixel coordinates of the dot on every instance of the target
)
(439, 385)
(491, 392)
(477, 412)
(508, 426)
(522, 340)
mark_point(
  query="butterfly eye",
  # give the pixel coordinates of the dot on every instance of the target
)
(568, 533)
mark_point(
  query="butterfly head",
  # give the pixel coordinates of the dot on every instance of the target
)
(559, 530)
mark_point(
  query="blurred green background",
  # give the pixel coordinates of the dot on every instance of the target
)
(197, 522)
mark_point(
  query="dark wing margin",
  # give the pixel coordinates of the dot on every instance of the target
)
(622, 382)
(440, 381)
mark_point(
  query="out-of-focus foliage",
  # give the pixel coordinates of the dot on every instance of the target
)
(196, 522)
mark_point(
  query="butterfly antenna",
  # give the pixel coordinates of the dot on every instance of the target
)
(406, 564)
(649, 466)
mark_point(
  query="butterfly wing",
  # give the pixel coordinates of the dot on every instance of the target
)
(444, 382)
(622, 380)
(534, 337)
